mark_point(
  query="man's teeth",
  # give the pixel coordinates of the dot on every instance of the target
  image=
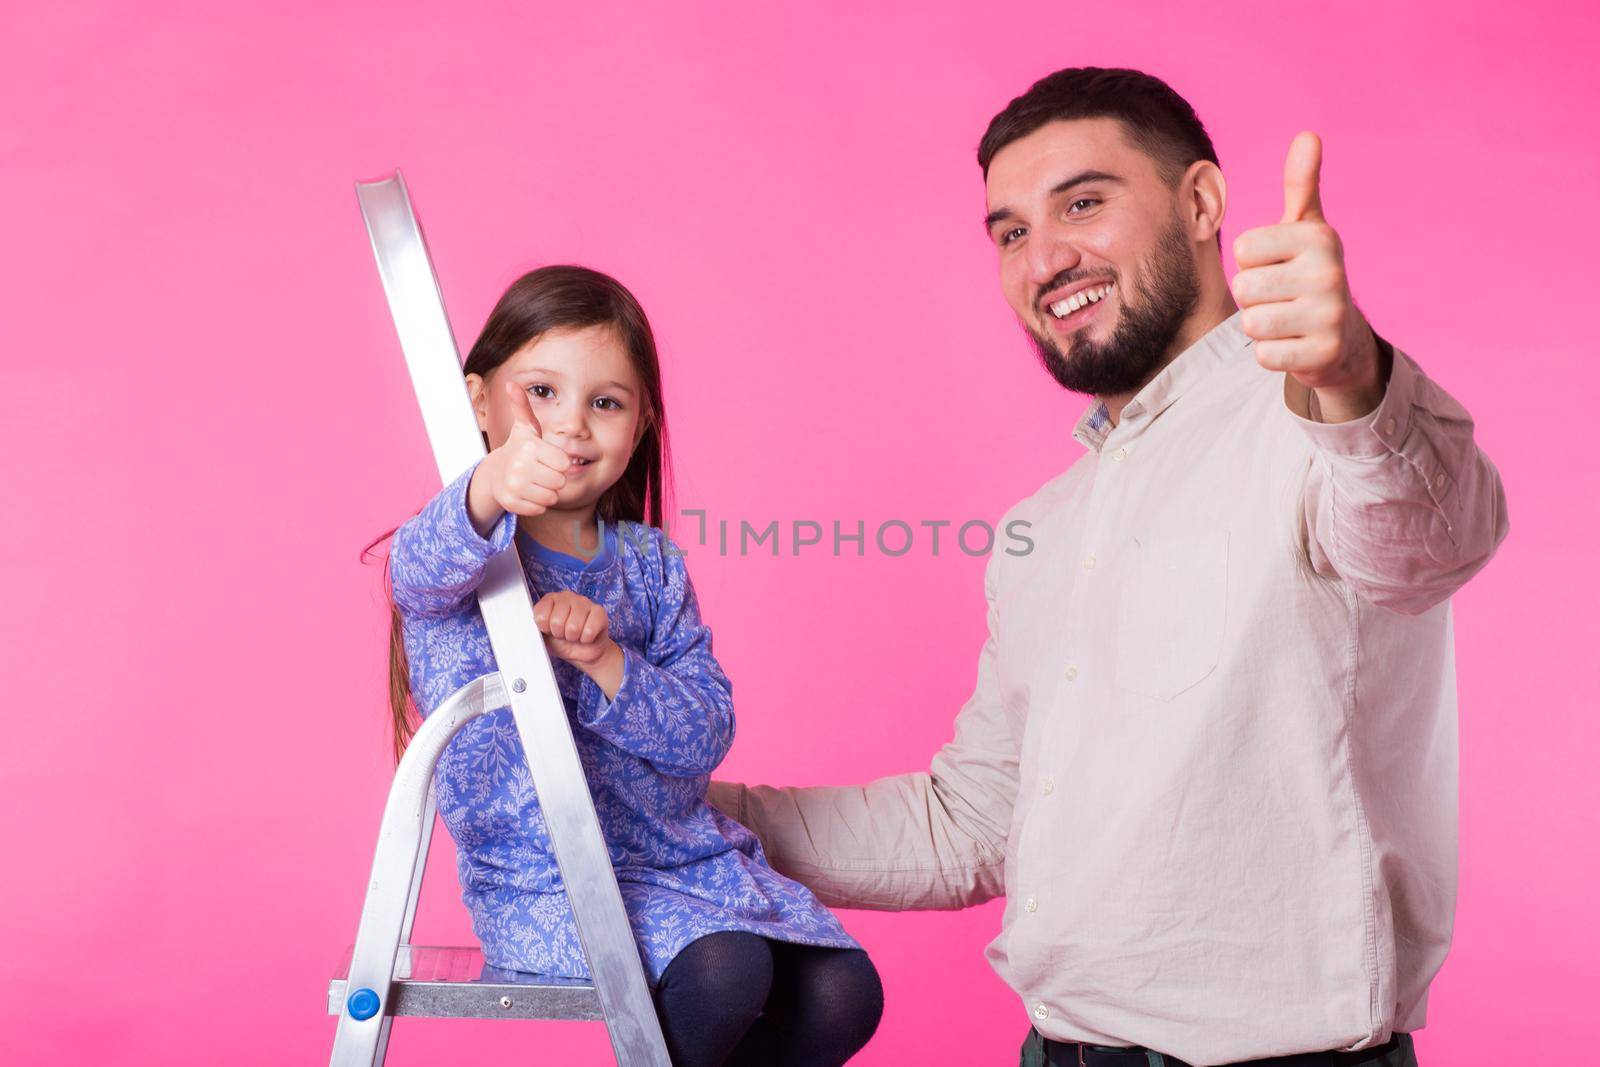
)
(1062, 308)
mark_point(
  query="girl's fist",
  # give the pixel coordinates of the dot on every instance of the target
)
(576, 629)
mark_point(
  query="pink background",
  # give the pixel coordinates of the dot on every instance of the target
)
(205, 416)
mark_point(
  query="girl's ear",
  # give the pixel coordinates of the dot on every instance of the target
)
(478, 391)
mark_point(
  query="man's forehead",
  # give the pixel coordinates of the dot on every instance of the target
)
(1035, 163)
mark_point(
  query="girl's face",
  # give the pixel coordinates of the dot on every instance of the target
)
(587, 397)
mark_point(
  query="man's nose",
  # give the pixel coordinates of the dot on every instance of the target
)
(1048, 255)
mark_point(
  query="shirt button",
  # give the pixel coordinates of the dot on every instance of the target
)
(1032, 904)
(1048, 787)
(1071, 673)
(1041, 1012)
(1122, 453)
(1088, 563)
(1388, 425)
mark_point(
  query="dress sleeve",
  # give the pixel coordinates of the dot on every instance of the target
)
(675, 706)
(1401, 503)
(437, 559)
(929, 839)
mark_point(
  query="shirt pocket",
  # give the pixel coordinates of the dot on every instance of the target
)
(1171, 613)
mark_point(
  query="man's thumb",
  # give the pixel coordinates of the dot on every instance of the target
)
(1302, 179)
(522, 408)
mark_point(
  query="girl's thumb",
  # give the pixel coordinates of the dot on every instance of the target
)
(522, 409)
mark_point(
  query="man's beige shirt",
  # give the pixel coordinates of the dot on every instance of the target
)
(1211, 757)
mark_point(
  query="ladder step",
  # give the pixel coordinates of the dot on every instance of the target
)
(455, 983)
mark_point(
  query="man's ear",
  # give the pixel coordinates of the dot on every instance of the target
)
(478, 391)
(1205, 194)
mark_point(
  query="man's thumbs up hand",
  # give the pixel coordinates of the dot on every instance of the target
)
(1296, 298)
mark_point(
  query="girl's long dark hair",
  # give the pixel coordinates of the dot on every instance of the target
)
(553, 298)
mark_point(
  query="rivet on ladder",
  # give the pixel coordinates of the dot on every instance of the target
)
(518, 685)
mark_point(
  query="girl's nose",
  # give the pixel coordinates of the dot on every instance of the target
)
(569, 421)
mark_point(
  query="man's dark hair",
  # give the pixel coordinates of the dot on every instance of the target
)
(1157, 120)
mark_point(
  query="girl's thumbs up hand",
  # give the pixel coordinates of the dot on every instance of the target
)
(526, 471)
(522, 476)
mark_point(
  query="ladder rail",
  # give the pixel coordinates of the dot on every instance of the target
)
(425, 840)
(580, 849)
(398, 861)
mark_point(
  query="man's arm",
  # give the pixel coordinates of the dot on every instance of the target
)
(1401, 503)
(930, 839)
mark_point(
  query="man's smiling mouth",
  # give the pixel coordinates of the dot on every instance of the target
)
(1062, 308)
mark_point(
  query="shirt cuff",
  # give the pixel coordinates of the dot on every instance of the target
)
(457, 521)
(1380, 431)
(594, 710)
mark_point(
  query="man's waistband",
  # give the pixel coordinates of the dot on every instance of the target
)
(1072, 1054)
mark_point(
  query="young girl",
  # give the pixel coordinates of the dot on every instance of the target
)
(746, 966)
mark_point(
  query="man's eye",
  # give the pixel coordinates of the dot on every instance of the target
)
(543, 392)
(1011, 235)
(1082, 204)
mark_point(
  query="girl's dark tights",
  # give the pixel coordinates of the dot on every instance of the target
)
(738, 999)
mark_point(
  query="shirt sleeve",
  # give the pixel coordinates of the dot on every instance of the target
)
(437, 559)
(1401, 503)
(930, 839)
(675, 704)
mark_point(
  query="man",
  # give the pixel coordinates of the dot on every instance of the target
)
(1211, 756)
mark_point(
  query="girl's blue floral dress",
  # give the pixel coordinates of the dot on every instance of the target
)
(684, 868)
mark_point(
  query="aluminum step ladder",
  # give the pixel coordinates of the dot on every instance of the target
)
(385, 976)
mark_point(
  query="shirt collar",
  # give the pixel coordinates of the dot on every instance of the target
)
(1221, 343)
(553, 559)
(1093, 426)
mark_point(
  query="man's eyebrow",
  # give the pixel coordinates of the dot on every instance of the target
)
(1081, 178)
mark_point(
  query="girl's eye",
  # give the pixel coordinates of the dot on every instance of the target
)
(606, 403)
(1010, 235)
(1078, 204)
(543, 392)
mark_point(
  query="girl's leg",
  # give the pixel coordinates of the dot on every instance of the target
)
(824, 1006)
(710, 994)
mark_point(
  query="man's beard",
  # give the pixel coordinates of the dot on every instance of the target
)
(1129, 357)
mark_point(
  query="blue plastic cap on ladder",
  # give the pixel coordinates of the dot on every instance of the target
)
(362, 1005)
